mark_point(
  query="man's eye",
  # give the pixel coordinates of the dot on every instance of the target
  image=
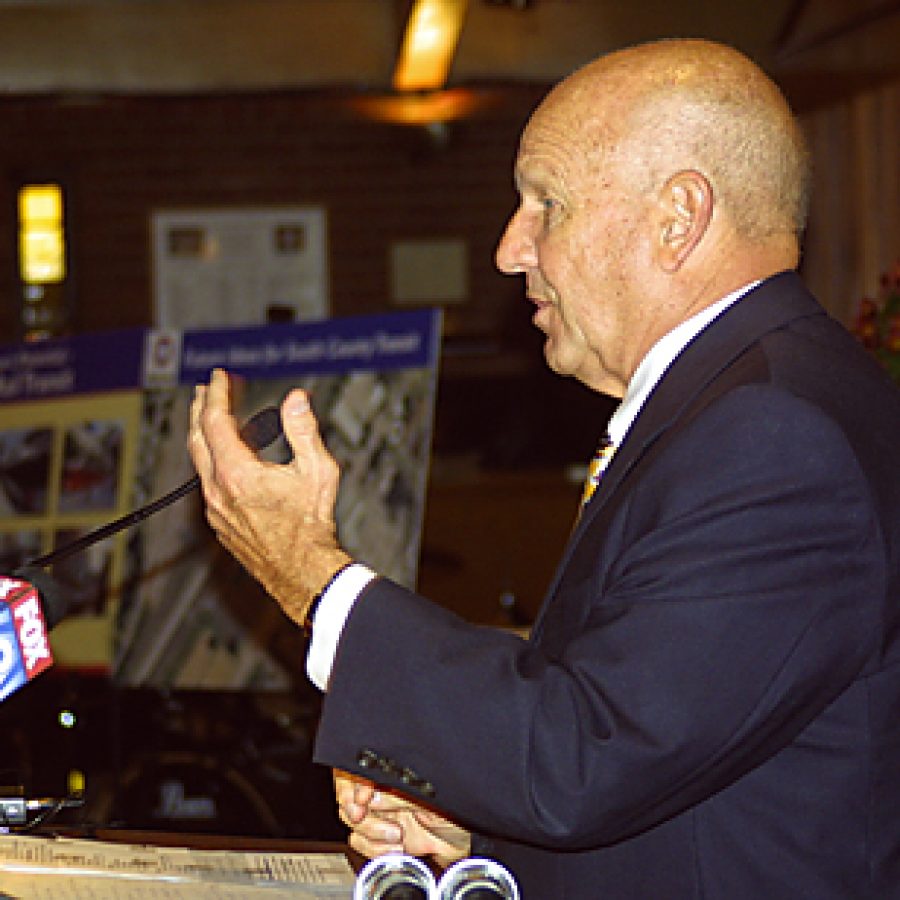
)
(551, 208)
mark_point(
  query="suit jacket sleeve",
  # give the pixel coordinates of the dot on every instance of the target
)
(729, 593)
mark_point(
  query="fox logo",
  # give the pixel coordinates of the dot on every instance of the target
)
(32, 634)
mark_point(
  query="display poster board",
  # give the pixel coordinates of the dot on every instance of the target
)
(95, 426)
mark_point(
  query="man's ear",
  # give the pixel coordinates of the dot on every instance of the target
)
(686, 202)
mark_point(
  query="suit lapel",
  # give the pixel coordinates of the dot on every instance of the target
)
(771, 305)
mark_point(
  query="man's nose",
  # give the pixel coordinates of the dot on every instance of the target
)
(516, 251)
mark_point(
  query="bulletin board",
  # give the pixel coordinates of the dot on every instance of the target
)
(248, 266)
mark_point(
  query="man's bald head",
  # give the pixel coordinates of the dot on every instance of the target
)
(652, 183)
(659, 108)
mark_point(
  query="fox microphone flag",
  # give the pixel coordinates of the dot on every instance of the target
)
(24, 645)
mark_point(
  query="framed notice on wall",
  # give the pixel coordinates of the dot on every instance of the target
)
(248, 266)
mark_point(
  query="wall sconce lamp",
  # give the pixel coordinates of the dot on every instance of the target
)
(42, 258)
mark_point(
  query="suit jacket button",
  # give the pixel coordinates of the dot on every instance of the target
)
(427, 788)
(367, 759)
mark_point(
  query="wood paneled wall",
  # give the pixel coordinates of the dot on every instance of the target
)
(123, 157)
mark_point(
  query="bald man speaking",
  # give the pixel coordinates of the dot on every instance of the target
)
(708, 705)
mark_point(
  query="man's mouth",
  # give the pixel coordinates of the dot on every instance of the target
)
(540, 316)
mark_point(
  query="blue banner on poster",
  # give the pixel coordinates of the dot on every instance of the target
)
(65, 366)
(134, 358)
(333, 346)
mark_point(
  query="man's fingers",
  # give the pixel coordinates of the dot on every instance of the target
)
(196, 442)
(370, 849)
(382, 822)
(353, 795)
(370, 827)
(300, 426)
(218, 426)
(363, 792)
(376, 830)
(311, 457)
(386, 802)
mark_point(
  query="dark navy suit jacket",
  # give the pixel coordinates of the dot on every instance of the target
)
(709, 703)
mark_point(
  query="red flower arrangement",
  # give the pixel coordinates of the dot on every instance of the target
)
(878, 323)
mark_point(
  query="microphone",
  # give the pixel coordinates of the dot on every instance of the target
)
(24, 623)
(29, 608)
(399, 876)
(477, 879)
(394, 876)
(257, 432)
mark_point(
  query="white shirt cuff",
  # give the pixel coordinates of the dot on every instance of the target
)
(328, 622)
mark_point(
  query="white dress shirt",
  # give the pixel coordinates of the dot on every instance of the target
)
(338, 600)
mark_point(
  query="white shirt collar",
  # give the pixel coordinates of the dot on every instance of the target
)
(661, 355)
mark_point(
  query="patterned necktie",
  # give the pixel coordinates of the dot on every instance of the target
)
(597, 467)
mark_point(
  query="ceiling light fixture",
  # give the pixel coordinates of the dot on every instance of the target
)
(429, 43)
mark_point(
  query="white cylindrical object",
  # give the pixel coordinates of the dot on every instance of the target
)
(477, 879)
(394, 876)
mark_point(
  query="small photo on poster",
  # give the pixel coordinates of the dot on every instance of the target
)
(92, 456)
(25, 455)
(83, 578)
